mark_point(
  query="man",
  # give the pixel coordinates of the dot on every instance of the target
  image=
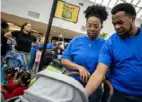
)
(122, 54)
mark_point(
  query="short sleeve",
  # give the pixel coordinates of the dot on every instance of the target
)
(67, 53)
(105, 56)
(15, 33)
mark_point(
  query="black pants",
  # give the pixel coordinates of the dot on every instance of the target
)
(96, 96)
(123, 97)
(4, 49)
(106, 92)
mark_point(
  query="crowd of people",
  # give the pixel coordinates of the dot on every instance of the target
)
(25, 48)
(109, 70)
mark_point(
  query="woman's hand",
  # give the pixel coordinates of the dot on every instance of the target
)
(84, 74)
(8, 35)
(13, 42)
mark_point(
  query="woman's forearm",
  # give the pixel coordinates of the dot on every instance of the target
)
(9, 37)
(67, 63)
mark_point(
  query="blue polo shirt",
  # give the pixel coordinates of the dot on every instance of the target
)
(49, 46)
(125, 58)
(85, 52)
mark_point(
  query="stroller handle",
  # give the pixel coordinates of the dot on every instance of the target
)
(72, 73)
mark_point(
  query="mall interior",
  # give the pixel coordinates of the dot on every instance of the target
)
(71, 51)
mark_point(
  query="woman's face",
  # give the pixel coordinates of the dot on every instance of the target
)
(93, 27)
(28, 27)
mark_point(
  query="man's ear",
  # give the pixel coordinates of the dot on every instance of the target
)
(133, 19)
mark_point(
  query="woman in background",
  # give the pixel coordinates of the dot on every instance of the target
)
(24, 40)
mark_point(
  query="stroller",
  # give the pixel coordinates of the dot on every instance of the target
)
(53, 87)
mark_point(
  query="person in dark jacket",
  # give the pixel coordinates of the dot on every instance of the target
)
(24, 40)
(4, 45)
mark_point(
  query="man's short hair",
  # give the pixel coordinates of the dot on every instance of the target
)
(126, 7)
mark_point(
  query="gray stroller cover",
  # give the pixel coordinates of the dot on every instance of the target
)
(53, 87)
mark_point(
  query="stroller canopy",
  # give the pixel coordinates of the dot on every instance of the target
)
(54, 87)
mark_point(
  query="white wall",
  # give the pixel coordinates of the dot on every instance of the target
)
(21, 8)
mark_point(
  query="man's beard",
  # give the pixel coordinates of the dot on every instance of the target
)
(126, 34)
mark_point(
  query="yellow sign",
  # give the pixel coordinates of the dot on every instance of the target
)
(67, 11)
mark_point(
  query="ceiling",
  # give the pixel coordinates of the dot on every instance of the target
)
(41, 28)
(111, 3)
(38, 27)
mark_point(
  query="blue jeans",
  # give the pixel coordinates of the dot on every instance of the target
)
(96, 96)
(124, 97)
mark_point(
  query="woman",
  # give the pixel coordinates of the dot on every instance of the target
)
(23, 40)
(82, 53)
